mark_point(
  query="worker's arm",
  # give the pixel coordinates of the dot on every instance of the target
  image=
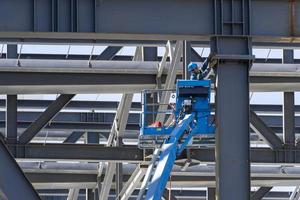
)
(193, 76)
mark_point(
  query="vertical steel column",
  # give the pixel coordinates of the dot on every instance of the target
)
(232, 57)
(11, 109)
(186, 59)
(11, 123)
(119, 172)
(150, 53)
(90, 194)
(288, 114)
(12, 51)
(289, 119)
(211, 194)
(92, 138)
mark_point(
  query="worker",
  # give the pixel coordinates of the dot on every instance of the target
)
(199, 73)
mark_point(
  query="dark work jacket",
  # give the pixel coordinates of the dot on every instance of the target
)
(204, 71)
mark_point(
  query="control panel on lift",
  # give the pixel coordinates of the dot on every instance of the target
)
(190, 97)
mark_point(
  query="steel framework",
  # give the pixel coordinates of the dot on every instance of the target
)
(105, 133)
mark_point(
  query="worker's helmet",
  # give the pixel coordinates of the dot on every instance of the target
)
(192, 66)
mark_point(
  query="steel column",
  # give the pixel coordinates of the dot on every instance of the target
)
(11, 108)
(186, 58)
(289, 119)
(45, 117)
(92, 138)
(211, 194)
(12, 51)
(288, 111)
(89, 194)
(11, 122)
(150, 53)
(13, 182)
(168, 196)
(232, 57)
(119, 172)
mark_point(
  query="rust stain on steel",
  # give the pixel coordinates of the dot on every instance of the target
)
(292, 17)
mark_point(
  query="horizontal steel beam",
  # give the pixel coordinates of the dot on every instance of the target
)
(79, 152)
(99, 21)
(103, 118)
(65, 180)
(132, 154)
(184, 193)
(75, 77)
(195, 57)
(113, 105)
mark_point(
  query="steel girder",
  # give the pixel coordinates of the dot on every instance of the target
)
(12, 177)
(132, 154)
(94, 20)
(45, 118)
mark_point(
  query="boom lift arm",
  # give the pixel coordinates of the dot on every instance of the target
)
(192, 119)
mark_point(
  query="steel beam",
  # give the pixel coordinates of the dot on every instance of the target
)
(261, 193)
(95, 153)
(195, 57)
(105, 20)
(73, 194)
(296, 194)
(170, 80)
(80, 152)
(264, 131)
(116, 134)
(233, 57)
(36, 76)
(43, 119)
(109, 53)
(12, 177)
(181, 193)
(132, 183)
(74, 137)
(113, 105)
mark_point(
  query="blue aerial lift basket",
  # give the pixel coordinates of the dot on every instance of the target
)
(190, 96)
